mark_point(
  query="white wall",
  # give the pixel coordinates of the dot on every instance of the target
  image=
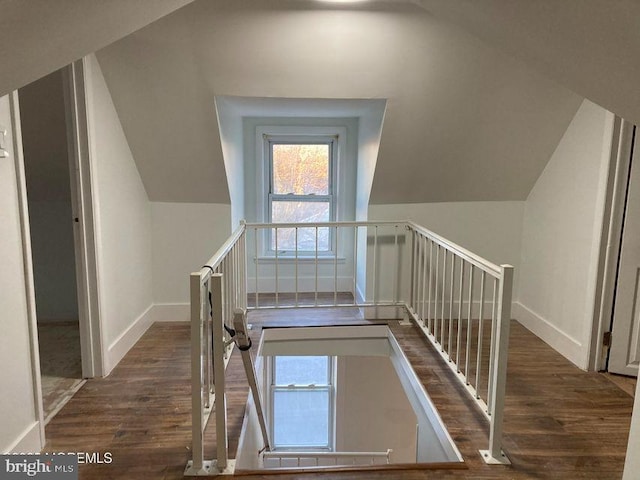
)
(231, 141)
(123, 218)
(370, 418)
(489, 229)
(561, 235)
(19, 429)
(369, 133)
(185, 236)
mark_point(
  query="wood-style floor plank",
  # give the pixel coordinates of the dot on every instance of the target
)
(561, 422)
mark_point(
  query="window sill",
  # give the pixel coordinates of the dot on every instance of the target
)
(322, 259)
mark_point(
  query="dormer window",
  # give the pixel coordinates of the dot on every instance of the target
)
(301, 190)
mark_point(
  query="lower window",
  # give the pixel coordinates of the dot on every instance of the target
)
(302, 402)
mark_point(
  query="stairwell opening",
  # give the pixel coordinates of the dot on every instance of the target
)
(342, 397)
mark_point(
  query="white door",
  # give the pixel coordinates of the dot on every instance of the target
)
(624, 356)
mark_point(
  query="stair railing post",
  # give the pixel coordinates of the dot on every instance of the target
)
(197, 377)
(495, 455)
(243, 267)
(218, 371)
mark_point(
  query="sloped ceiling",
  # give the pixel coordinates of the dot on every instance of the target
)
(591, 46)
(463, 121)
(40, 36)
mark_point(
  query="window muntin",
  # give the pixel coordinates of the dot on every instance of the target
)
(301, 190)
(302, 402)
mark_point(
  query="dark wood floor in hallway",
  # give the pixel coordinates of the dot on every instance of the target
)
(561, 422)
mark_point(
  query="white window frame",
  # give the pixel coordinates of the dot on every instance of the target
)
(331, 141)
(330, 388)
(265, 136)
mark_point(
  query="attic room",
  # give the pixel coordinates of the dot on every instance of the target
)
(505, 127)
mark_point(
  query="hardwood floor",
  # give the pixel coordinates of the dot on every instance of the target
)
(60, 363)
(628, 384)
(561, 422)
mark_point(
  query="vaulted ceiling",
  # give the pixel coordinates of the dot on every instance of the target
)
(40, 36)
(463, 121)
(591, 46)
(479, 91)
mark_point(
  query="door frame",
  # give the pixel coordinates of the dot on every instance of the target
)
(27, 260)
(610, 242)
(82, 201)
(85, 244)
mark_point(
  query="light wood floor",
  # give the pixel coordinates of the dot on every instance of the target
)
(561, 422)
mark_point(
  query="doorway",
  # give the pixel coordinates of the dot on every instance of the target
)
(46, 156)
(624, 351)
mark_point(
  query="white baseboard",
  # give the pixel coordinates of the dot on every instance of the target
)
(28, 441)
(127, 339)
(560, 341)
(170, 312)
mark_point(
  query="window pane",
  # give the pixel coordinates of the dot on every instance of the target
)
(301, 418)
(292, 370)
(300, 212)
(300, 169)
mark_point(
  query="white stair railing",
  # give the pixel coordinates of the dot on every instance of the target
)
(302, 265)
(289, 459)
(461, 302)
(450, 302)
(216, 291)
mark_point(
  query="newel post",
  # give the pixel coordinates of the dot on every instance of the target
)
(495, 455)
